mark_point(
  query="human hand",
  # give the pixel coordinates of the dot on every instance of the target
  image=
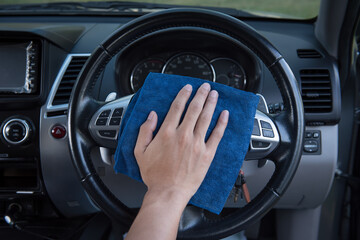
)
(178, 158)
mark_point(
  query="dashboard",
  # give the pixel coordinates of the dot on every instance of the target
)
(34, 153)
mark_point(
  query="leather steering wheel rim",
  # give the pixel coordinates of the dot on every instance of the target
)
(290, 122)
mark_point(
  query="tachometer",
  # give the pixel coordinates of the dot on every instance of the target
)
(141, 71)
(189, 64)
(229, 72)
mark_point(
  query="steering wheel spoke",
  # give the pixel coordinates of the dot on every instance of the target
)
(104, 125)
(264, 138)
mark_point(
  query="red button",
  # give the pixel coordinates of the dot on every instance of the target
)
(58, 131)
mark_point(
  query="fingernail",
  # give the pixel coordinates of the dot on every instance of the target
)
(206, 86)
(188, 87)
(225, 115)
(151, 115)
(213, 94)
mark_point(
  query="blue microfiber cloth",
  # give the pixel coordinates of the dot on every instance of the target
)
(157, 93)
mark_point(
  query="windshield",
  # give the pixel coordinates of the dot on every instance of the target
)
(298, 9)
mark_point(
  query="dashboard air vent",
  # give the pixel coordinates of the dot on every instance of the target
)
(308, 53)
(316, 90)
(68, 80)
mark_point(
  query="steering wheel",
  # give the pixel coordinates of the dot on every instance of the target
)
(288, 126)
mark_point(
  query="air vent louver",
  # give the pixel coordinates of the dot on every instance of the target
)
(68, 80)
(316, 90)
(308, 53)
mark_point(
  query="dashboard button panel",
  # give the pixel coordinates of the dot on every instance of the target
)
(312, 143)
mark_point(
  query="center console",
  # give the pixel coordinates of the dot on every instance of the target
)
(21, 94)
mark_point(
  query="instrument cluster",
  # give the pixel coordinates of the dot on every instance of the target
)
(188, 53)
(220, 69)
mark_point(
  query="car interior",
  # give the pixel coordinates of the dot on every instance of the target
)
(68, 71)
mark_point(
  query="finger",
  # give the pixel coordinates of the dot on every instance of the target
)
(177, 107)
(204, 120)
(195, 107)
(146, 133)
(218, 131)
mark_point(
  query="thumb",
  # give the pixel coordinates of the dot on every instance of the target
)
(146, 133)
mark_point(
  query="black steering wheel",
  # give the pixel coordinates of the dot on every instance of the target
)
(288, 125)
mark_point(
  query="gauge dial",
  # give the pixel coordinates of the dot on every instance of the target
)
(189, 64)
(141, 71)
(229, 72)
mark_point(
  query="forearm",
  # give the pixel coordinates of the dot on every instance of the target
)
(159, 215)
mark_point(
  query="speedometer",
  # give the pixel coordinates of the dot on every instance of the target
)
(191, 65)
(229, 72)
(141, 71)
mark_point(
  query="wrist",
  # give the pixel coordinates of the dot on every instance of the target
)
(171, 196)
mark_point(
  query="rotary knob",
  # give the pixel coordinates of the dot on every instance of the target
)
(16, 131)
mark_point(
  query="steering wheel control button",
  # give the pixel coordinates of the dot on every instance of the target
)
(118, 112)
(276, 108)
(101, 122)
(115, 121)
(260, 144)
(256, 129)
(311, 146)
(271, 108)
(265, 124)
(16, 131)
(105, 113)
(316, 135)
(107, 133)
(268, 133)
(58, 132)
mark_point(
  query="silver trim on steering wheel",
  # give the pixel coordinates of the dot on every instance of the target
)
(264, 141)
(105, 134)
